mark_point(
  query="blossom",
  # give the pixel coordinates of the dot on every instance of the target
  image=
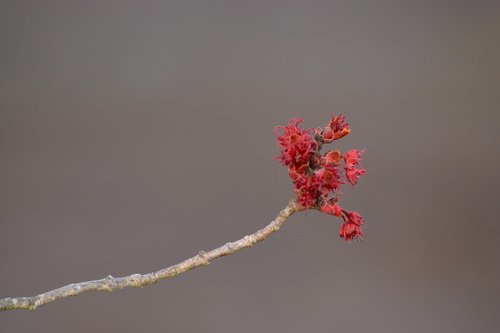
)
(338, 126)
(309, 190)
(350, 231)
(297, 145)
(330, 177)
(353, 174)
(333, 156)
(353, 169)
(352, 157)
(317, 178)
(351, 228)
(355, 218)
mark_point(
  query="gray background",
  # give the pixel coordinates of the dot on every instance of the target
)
(134, 134)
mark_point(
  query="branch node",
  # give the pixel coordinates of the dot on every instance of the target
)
(110, 283)
(33, 303)
(251, 240)
(203, 256)
(136, 280)
(230, 247)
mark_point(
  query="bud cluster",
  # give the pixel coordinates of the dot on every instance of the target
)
(317, 177)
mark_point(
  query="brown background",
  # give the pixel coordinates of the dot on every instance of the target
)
(134, 134)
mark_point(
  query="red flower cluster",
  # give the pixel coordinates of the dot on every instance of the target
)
(317, 178)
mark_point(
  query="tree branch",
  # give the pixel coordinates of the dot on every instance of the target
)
(111, 283)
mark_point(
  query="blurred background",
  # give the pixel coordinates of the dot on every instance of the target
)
(134, 134)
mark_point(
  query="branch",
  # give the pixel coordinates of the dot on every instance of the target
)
(111, 283)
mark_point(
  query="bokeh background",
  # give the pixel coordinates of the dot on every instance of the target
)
(135, 133)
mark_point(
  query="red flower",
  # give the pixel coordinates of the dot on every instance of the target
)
(330, 177)
(351, 228)
(339, 127)
(353, 169)
(355, 218)
(350, 231)
(297, 145)
(309, 189)
(352, 157)
(314, 188)
(317, 178)
(333, 156)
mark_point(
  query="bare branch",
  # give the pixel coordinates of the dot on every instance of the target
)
(111, 283)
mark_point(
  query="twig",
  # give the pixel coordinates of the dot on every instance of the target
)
(111, 283)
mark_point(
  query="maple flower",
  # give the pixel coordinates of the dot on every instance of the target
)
(309, 190)
(353, 169)
(297, 145)
(338, 126)
(333, 156)
(355, 218)
(330, 177)
(317, 178)
(350, 231)
(351, 228)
